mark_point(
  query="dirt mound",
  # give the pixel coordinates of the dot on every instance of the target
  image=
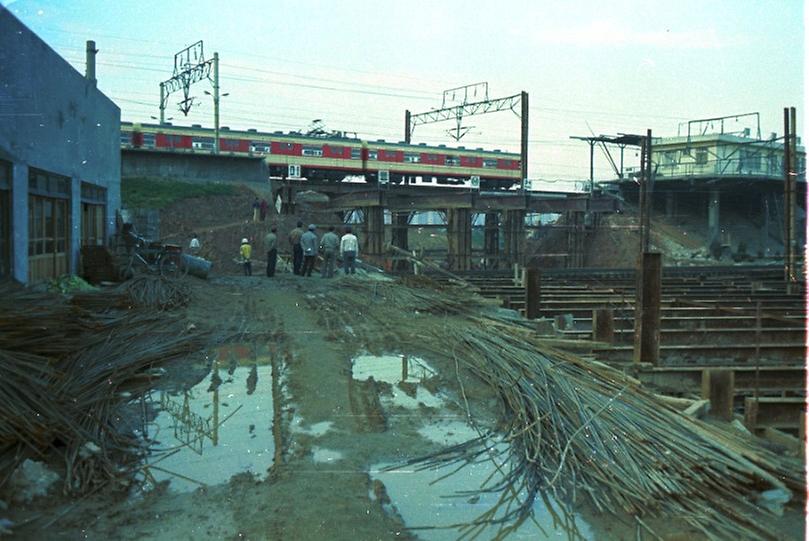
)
(221, 222)
(615, 242)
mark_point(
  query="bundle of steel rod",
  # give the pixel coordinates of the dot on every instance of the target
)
(156, 292)
(67, 376)
(579, 429)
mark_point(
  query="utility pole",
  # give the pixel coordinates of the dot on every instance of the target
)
(646, 212)
(790, 151)
(524, 137)
(162, 103)
(407, 126)
(216, 101)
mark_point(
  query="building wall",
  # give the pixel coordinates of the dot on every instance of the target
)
(54, 120)
(193, 167)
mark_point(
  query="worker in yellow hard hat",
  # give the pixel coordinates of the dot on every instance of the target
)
(246, 251)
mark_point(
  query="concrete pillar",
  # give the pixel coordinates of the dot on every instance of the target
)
(19, 222)
(399, 235)
(532, 292)
(491, 240)
(671, 204)
(374, 231)
(459, 238)
(713, 216)
(718, 386)
(647, 309)
(514, 236)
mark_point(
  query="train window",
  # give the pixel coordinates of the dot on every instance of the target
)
(412, 158)
(453, 160)
(489, 163)
(312, 151)
(259, 147)
(285, 146)
(372, 154)
(356, 153)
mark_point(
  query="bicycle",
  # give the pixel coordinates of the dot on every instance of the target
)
(156, 258)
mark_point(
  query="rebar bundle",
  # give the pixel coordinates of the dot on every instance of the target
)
(577, 429)
(67, 373)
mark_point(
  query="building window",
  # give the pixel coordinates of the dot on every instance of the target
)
(48, 225)
(48, 240)
(749, 161)
(316, 152)
(93, 206)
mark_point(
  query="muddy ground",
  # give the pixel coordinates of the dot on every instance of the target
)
(299, 457)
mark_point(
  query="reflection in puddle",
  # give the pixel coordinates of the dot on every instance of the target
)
(298, 426)
(216, 429)
(421, 501)
(404, 373)
(320, 454)
(447, 432)
(391, 368)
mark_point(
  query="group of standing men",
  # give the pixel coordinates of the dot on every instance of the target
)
(305, 248)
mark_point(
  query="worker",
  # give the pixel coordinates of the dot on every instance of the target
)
(349, 247)
(271, 245)
(194, 246)
(309, 247)
(263, 207)
(297, 251)
(329, 245)
(246, 251)
(256, 210)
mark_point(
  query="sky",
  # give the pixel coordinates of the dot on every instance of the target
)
(590, 67)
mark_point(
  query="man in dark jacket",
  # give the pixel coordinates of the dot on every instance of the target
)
(329, 245)
(309, 247)
(297, 251)
(271, 245)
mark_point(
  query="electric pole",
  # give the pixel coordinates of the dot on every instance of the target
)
(216, 102)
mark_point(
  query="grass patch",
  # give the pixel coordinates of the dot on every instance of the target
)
(158, 193)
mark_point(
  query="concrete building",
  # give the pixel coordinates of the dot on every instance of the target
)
(60, 160)
(734, 180)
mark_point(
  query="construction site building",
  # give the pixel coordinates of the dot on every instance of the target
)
(60, 163)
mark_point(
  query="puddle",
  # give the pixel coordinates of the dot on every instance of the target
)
(198, 454)
(450, 431)
(297, 426)
(422, 501)
(404, 373)
(391, 369)
(320, 454)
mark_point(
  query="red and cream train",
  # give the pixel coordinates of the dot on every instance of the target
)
(335, 158)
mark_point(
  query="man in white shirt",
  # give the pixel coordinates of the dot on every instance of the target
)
(349, 247)
(194, 246)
